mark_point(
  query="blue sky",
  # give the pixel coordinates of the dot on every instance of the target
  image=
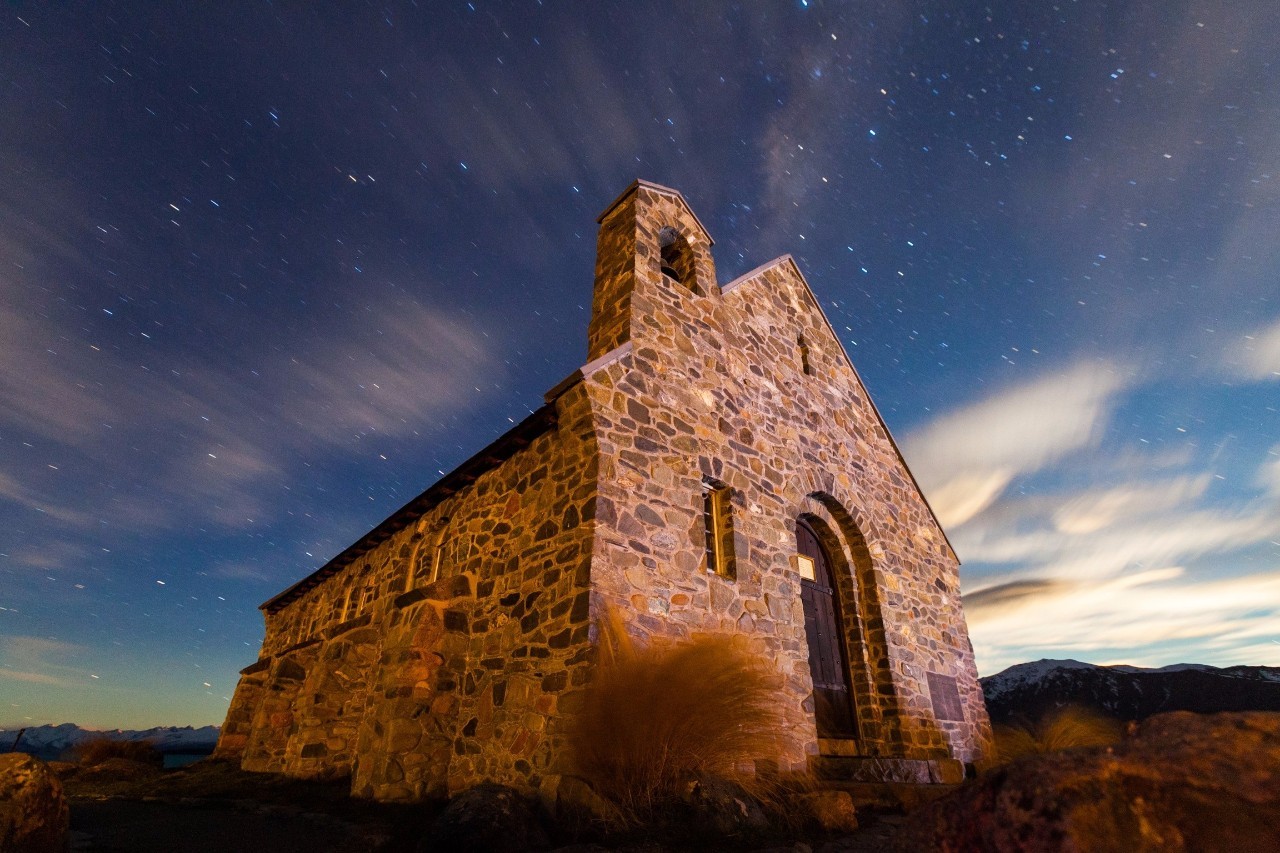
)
(264, 276)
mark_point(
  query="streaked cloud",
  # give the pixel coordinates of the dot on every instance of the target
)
(19, 493)
(1269, 472)
(210, 442)
(37, 660)
(404, 364)
(1101, 533)
(1096, 509)
(1147, 618)
(967, 458)
(1074, 545)
(1001, 596)
(1257, 356)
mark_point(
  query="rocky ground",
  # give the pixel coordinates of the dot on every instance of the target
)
(120, 825)
(212, 806)
(1176, 782)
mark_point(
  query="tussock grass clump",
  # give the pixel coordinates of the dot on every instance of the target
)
(98, 750)
(655, 719)
(1064, 728)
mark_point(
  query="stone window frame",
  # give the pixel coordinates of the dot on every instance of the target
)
(418, 578)
(366, 590)
(717, 521)
(350, 601)
(437, 555)
(806, 366)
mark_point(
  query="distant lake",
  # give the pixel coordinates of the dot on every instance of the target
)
(182, 759)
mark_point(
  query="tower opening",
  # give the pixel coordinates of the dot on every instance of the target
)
(677, 257)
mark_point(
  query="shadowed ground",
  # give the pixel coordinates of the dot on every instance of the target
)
(152, 827)
(214, 806)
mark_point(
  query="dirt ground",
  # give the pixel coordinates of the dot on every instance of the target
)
(132, 826)
(213, 807)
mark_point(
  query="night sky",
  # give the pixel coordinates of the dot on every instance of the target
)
(268, 270)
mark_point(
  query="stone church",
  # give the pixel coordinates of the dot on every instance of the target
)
(715, 466)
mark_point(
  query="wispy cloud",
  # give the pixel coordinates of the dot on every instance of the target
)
(1142, 618)
(1096, 509)
(407, 365)
(208, 441)
(1257, 355)
(1177, 536)
(1078, 547)
(13, 491)
(1269, 472)
(36, 660)
(1098, 532)
(966, 459)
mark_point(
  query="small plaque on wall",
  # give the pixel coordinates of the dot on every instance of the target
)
(946, 697)
(804, 565)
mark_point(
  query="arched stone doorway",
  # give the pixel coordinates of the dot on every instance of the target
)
(824, 628)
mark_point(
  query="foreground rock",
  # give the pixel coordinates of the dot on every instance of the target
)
(1181, 782)
(723, 808)
(829, 811)
(487, 819)
(33, 812)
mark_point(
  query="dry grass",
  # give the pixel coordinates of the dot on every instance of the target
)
(656, 718)
(1065, 728)
(98, 750)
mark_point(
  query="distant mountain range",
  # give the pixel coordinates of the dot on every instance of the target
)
(50, 742)
(1129, 692)
(1026, 690)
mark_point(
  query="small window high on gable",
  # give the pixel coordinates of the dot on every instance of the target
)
(717, 508)
(677, 258)
(804, 356)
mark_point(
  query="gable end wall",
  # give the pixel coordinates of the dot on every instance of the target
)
(714, 388)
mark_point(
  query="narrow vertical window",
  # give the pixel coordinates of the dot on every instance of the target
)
(804, 356)
(437, 560)
(718, 521)
(428, 560)
(366, 596)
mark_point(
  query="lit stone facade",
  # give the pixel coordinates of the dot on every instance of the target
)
(451, 644)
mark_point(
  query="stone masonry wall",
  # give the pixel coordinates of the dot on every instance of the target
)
(714, 387)
(421, 687)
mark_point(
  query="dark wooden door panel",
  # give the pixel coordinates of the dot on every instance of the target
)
(828, 661)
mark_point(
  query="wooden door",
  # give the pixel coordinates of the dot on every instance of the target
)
(828, 659)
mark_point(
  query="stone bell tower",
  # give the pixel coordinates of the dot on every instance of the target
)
(650, 240)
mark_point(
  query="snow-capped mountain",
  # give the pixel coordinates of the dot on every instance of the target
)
(51, 741)
(1129, 692)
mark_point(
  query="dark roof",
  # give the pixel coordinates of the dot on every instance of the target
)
(503, 448)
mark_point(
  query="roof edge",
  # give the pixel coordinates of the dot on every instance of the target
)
(787, 258)
(658, 188)
(562, 387)
(765, 267)
(497, 451)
